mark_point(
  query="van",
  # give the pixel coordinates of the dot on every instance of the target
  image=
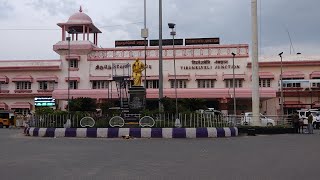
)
(303, 114)
(265, 121)
(7, 118)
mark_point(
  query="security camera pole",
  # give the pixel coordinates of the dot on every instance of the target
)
(234, 88)
(281, 91)
(173, 33)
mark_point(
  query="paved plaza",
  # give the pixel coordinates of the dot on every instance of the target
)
(255, 157)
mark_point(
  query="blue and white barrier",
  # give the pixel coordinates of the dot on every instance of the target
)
(133, 132)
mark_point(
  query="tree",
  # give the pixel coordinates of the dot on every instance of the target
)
(168, 105)
(44, 111)
(193, 104)
(83, 104)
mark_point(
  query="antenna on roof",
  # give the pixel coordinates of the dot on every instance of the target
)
(291, 45)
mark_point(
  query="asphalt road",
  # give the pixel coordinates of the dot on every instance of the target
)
(260, 157)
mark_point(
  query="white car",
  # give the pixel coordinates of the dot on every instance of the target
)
(265, 121)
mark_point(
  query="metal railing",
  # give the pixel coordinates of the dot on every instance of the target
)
(164, 120)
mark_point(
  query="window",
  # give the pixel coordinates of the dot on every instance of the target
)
(22, 85)
(153, 84)
(238, 83)
(290, 85)
(46, 85)
(73, 84)
(100, 84)
(180, 83)
(264, 82)
(3, 85)
(73, 63)
(315, 84)
(208, 83)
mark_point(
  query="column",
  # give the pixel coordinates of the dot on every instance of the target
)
(88, 33)
(63, 33)
(84, 32)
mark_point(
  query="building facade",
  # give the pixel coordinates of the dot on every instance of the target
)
(203, 71)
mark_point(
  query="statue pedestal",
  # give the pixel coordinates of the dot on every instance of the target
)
(137, 99)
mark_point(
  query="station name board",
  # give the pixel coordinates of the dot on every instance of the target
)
(205, 64)
(108, 66)
(166, 42)
(195, 41)
(130, 43)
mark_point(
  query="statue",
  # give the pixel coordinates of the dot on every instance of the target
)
(137, 68)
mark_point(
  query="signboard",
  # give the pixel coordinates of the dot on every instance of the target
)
(166, 42)
(130, 43)
(44, 101)
(206, 64)
(195, 41)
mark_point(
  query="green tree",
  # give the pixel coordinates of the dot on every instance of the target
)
(168, 105)
(83, 104)
(44, 111)
(104, 106)
(192, 104)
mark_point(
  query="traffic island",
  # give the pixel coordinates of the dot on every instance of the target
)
(133, 132)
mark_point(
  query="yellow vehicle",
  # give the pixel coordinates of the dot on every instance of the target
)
(7, 118)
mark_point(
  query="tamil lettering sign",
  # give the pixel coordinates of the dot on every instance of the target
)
(118, 66)
(195, 41)
(166, 42)
(130, 43)
(206, 64)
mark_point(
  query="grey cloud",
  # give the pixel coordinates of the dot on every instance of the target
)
(231, 20)
(54, 8)
(5, 9)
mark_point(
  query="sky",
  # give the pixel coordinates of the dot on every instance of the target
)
(28, 28)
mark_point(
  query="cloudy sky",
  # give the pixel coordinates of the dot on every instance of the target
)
(28, 27)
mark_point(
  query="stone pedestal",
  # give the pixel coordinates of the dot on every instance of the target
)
(137, 99)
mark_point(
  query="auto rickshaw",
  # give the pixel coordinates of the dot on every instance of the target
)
(7, 118)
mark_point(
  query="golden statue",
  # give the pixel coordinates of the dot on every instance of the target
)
(137, 68)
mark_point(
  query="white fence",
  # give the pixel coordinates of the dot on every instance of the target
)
(192, 120)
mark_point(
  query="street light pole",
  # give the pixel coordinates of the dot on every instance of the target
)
(144, 35)
(160, 58)
(173, 33)
(234, 87)
(68, 39)
(281, 88)
(70, 31)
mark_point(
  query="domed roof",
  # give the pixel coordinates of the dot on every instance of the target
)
(79, 17)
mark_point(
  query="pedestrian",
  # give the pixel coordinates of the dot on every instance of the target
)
(296, 123)
(310, 127)
(317, 120)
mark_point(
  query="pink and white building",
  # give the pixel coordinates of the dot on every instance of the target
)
(203, 71)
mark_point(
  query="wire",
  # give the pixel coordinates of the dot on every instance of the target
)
(49, 29)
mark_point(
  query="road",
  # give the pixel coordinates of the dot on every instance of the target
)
(259, 157)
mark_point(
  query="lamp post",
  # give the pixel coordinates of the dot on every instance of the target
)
(173, 33)
(281, 90)
(144, 35)
(234, 87)
(68, 39)
(160, 58)
(70, 31)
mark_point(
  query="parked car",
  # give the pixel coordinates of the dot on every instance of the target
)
(303, 114)
(265, 121)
